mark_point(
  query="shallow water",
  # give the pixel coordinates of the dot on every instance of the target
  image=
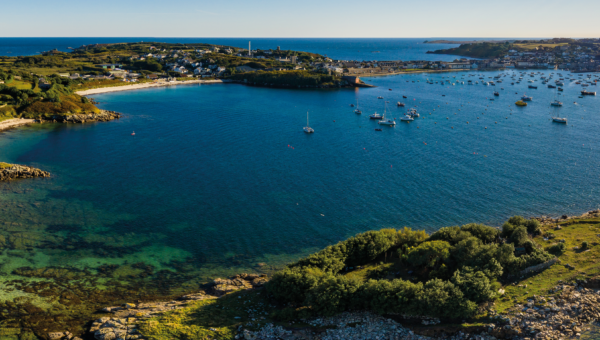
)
(220, 179)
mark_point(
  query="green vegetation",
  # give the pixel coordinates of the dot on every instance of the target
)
(5, 165)
(58, 98)
(288, 78)
(478, 50)
(447, 274)
(575, 262)
(214, 318)
(374, 272)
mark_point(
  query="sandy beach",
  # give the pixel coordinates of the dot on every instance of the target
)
(145, 86)
(15, 122)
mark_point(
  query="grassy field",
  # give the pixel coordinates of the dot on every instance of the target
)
(214, 318)
(585, 262)
(530, 47)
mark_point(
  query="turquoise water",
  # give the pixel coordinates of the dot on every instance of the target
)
(220, 179)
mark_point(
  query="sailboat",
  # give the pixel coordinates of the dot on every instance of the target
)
(556, 102)
(383, 121)
(555, 118)
(307, 128)
(357, 111)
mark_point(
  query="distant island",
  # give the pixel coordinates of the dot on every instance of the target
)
(462, 41)
(501, 48)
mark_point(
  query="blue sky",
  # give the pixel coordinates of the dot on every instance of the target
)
(308, 18)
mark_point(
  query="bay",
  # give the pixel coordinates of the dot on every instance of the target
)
(220, 179)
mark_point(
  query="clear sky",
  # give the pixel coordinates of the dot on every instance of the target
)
(307, 18)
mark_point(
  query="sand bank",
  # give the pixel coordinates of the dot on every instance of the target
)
(15, 122)
(145, 86)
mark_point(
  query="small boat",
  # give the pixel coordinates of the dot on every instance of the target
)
(357, 111)
(375, 116)
(383, 121)
(390, 89)
(407, 118)
(307, 128)
(378, 129)
(351, 105)
(413, 113)
(496, 93)
(380, 97)
(133, 133)
(532, 87)
(526, 98)
(559, 120)
(401, 104)
(521, 103)
(550, 86)
(560, 89)
(588, 93)
(404, 97)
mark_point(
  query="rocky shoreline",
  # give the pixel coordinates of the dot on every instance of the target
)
(14, 171)
(566, 315)
(80, 118)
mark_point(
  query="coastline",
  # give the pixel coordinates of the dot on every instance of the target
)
(14, 123)
(145, 86)
(367, 75)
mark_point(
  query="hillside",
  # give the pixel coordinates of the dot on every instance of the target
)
(478, 50)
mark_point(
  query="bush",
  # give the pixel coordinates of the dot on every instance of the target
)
(519, 236)
(557, 249)
(428, 254)
(584, 245)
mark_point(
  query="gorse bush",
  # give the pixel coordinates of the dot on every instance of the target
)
(456, 268)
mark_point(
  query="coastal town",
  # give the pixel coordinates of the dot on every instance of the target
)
(159, 63)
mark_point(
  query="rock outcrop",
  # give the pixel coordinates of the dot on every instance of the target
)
(241, 281)
(80, 118)
(15, 171)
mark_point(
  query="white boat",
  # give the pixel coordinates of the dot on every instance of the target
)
(383, 121)
(380, 97)
(375, 116)
(412, 113)
(556, 103)
(357, 111)
(559, 120)
(407, 118)
(307, 128)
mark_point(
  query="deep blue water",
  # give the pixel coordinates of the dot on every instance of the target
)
(224, 172)
(336, 48)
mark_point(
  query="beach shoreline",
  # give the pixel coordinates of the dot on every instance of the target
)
(146, 86)
(15, 122)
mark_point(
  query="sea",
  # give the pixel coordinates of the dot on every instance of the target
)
(370, 49)
(196, 182)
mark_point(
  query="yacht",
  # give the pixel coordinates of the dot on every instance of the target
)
(556, 103)
(407, 118)
(559, 120)
(400, 104)
(307, 128)
(357, 111)
(376, 116)
(383, 121)
(526, 98)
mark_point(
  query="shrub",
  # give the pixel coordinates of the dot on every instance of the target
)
(475, 285)
(452, 235)
(428, 254)
(519, 236)
(557, 249)
(483, 232)
(584, 245)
